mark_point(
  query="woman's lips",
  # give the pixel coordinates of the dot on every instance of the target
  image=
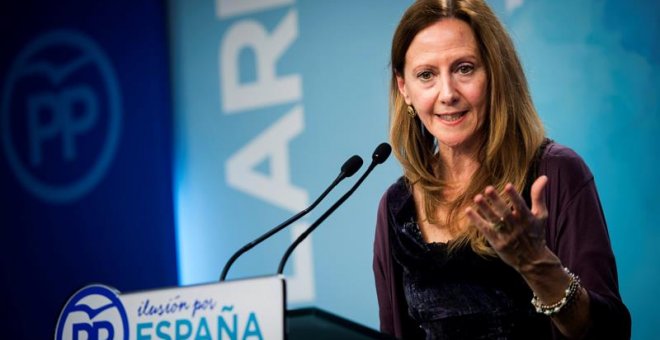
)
(451, 118)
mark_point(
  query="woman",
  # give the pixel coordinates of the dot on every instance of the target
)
(489, 214)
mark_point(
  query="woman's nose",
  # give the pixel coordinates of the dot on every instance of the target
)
(447, 94)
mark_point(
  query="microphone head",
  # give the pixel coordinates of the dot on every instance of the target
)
(381, 153)
(351, 166)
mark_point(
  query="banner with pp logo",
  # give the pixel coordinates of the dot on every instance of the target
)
(60, 115)
(85, 154)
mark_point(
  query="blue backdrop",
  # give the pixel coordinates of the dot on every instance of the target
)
(102, 180)
(279, 93)
(85, 161)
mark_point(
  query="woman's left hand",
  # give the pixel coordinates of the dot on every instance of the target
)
(516, 233)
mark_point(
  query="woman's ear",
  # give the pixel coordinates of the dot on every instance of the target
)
(401, 84)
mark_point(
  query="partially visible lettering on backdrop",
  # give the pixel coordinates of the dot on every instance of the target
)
(268, 89)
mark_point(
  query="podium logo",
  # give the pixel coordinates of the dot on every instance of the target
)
(94, 312)
(60, 116)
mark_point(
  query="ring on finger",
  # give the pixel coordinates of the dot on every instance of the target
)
(499, 225)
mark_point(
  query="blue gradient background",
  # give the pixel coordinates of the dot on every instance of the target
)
(593, 72)
(121, 232)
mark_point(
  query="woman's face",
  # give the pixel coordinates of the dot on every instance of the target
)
(445, 80)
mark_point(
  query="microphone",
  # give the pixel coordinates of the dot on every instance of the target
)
(350, 167)
(379, 156)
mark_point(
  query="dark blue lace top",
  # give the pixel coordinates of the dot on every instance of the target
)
(462, 295)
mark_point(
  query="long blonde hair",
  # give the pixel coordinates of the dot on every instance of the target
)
(512, 130)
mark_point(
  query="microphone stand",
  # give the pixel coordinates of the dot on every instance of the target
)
(349, 168)
(379, 156)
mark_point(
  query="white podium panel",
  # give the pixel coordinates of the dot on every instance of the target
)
(241, 309)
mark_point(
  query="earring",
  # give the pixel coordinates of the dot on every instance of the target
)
(411, 111)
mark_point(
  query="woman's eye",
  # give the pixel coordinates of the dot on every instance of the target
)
(425, 75)
(465, 69)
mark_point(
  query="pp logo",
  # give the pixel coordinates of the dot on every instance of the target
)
(95, 313)
(60, 116)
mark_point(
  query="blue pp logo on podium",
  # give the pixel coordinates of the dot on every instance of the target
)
(239, 309)
(60, 117)
(95, 313)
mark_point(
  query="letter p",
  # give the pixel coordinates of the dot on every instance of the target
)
(93, 330)
(72, 112)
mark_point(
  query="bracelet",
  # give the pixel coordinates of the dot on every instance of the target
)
(570, 295)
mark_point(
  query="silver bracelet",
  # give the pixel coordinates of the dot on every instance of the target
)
(570, 294)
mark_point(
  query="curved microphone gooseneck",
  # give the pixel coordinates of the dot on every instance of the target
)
(379, 156)
(348, 169)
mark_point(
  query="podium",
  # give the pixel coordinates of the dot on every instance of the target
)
(239, 309)
(317, 324)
